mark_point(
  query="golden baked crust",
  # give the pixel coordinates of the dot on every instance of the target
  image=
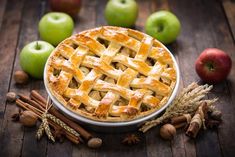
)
(111, 74)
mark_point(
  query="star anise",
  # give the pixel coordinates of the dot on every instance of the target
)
(131, 139)
(212, 124)
(16, 116)
(59, 135)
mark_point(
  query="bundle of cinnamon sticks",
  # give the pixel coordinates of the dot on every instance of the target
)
(37, 102)
(193, 123)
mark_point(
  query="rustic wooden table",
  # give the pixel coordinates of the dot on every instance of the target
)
(205, 23)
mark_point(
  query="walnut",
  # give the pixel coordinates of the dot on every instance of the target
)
(28, 118)
(216, 114)
(11, 96)
(167, 132)
(21, 77)
(94, 143)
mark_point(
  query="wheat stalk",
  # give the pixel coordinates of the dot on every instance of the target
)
(62, 124)
(46, 127)
(186, 102)
(40, 132)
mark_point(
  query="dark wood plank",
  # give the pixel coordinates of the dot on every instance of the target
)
(11, 134)
(188, 52)
(2, 10)
(222, 38)
(229, 8)
(156, 146)
(100, 7)
(144, 12)
(112, 146)
(159, 5)
(29, 33)
(88, 10)
(8, 34)
(214, 32)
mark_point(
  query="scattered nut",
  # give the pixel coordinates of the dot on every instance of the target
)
(94, 143)
(11, 96)
(21, 77)
(28, 118)
(216, 115)
(167, 132)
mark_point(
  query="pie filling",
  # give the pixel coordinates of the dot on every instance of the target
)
(111, 74)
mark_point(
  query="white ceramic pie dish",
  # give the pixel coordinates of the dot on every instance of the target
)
(113, 126)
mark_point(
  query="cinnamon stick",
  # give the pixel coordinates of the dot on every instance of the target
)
(42, 101)
(197, 120)
(31, 102)
(180, 125)
(27, 106)
(68, 135)
(181, 119)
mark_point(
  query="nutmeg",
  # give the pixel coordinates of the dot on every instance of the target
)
(11, 96)
(94, 143)
(28, 118)
(21, 77)
(167, 132)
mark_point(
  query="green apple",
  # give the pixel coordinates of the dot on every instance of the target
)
(54, 27)
(121, 13)
(164, 26)
(34, 56)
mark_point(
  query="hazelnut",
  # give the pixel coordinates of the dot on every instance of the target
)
(28, 118)
(11, 96)
(167, 132)
(21, 77)
(216, 115)
(94, 143)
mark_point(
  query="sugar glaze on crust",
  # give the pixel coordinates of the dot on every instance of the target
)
(111, 74)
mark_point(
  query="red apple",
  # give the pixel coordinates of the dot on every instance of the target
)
(71, 7)
(213, 65)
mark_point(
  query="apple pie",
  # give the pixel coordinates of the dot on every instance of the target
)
(111, 74)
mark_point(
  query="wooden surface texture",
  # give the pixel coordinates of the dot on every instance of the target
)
(205, 23)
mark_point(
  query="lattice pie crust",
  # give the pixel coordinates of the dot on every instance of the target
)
(111, 74)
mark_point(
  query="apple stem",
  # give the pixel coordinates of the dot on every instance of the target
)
(160, 28)
(123, 1)
(38, 47)
(210, 66)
